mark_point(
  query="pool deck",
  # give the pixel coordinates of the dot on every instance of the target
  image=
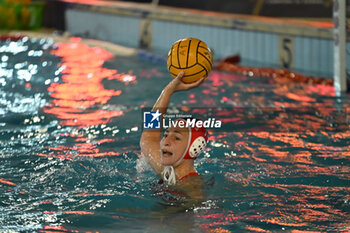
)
(299, 45)
(216, 19)
(48, 33)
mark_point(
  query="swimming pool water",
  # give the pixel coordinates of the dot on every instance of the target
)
(70, 124)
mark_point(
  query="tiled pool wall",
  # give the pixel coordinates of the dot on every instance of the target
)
(305, 47)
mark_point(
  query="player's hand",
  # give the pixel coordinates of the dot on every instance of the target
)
(178, 85)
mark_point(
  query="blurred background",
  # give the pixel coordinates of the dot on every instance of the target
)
(31, 14)
(319, 10)
(308, 37)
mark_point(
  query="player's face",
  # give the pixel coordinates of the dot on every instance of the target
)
(173, 145)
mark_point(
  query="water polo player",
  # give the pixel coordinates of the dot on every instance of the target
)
(172, 156)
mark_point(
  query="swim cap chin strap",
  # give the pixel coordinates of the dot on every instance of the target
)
(169, 175)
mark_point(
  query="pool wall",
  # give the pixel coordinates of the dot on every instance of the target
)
(303, 46)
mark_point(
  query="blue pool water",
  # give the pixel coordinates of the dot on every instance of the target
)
(70, 124)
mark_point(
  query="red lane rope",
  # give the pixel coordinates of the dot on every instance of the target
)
(279, 75)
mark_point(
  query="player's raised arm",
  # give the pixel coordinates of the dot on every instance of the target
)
(150, 138)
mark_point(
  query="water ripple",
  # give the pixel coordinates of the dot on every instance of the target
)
(70, 159)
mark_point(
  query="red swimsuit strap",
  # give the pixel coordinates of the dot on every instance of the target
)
(188, 175)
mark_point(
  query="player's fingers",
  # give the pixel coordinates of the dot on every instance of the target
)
(202, 80)
(196, 83)
(180, 75)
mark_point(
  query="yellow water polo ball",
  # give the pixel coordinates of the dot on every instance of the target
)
(192, 56)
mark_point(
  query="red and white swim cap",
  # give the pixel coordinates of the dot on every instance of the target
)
(197, 141)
